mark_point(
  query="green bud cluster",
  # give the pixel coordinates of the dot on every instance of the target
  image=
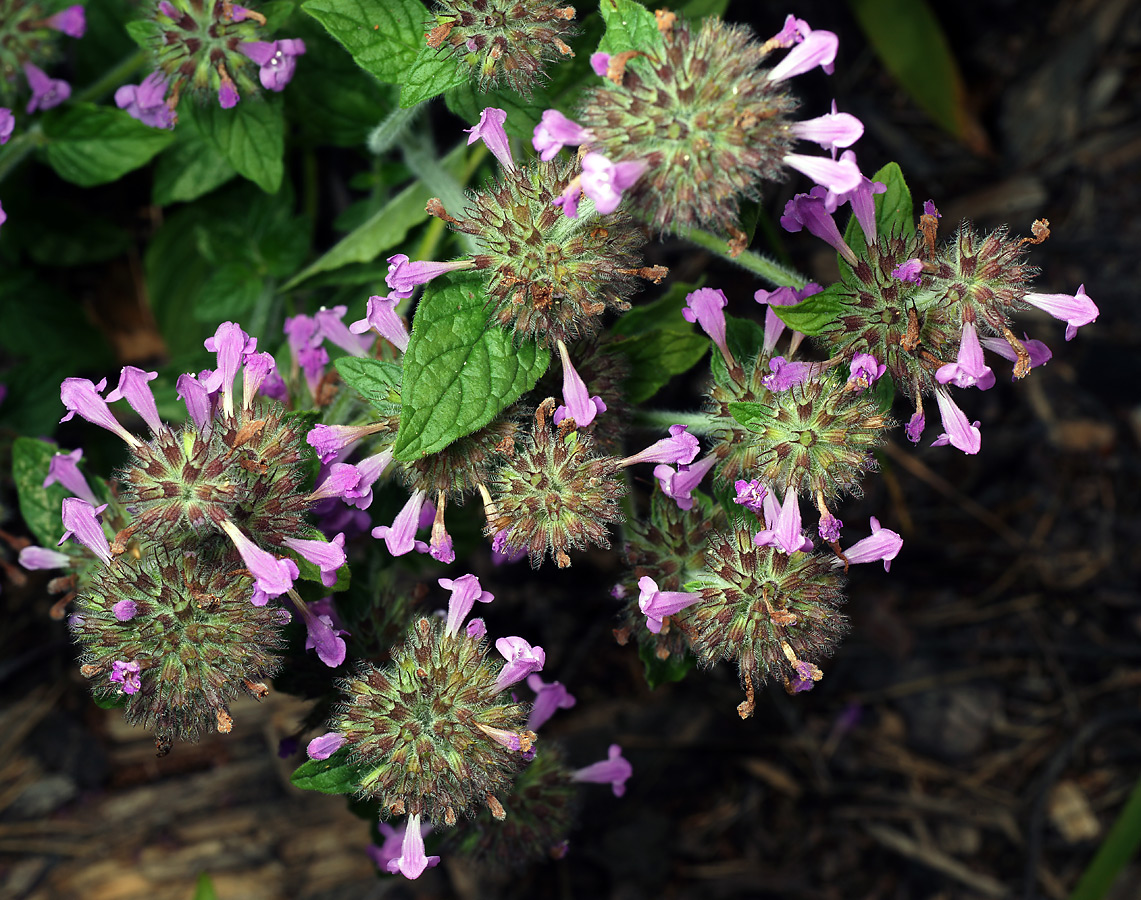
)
(540, 812)
(421, 730)
(551, 276)
(706, 119)
(504, 40)
(554, 493)
(197, 639)
(761, 608)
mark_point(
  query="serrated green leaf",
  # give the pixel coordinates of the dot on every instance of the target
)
(908, 38)
(117, 700)
(750, 413)
(434, 71)
(89, 145)
(204, 890)
(383, 38)
(894, 212)
(335, 775)
(383, 230)
(629, 26)
(250, 137)
(189, 169)
(813, 314)
(39, 506)
(663, 671)
(378, 381)
(459, 370)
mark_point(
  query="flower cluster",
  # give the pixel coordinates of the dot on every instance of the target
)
(29, 38)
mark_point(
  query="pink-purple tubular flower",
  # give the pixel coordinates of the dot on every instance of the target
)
(1075, 310)
(786, 533)
(400, 537)
(412, 862)
(322, 633)
(272, 576)
(604, 181)
(46, 92)
(332, 328)
(865, 371)
(126, 674)
(277, 60)
(679, 447)
(861, 198)
(7, 124)
(81, 521)
(522, 660)
(615, 770)
(784, 374)
(70, 21)
(908, 271)
(751, 495)
(782, 296)
(34, 558)
(325, 746)
(706, 307)
(832, 131)
(1040, 354)
(328, 556)
(576, 400)
(549, 698)
(808, 211)
(818, 48)
(970, 368)
(134, 389)
(147, 101)
(656, 604)
(958, 431)
(556, 131)
(80, 396)
(600, 62)
(64, 468)
(915, 426)
(381, 317)
(125, 610)
(489, 129)
(466, 592)
(679, 485)
(403, 275)
(883, 544)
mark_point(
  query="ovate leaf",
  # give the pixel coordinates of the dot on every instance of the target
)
(335, 775)
(459, 370)
(378, 381)
(433, 71)
(250, 137)
(88, 144)
(39, 506)
(383, 38)
(813, 314)
(189, 169)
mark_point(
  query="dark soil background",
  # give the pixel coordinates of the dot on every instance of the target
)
(974, 736)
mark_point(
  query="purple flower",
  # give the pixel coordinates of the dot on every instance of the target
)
(64, 468)
(805, 676)
(1075, 310)
(831, 131)
(548, 698)
(970, 368)
(277, 59)
(312, 361)
(369, 469)
(70, 21)
(569, 198)
(325, 746)
(476, 629)
(522, 660)
(829, 528)
(7, 124)
(489, 129)
(679, 447)
(331, 327)
(326, 556)
(556, 131)
(818, 48)
(125, 610)
(793, 32)
(46, 92)
(329, 440)
(79, 395)
(393, 839)
(1039, 353)
(403, 275)
(915, 426)
(127, 675)
(782, 296)
(33, 558)
(786, 533)
(600, 62)
(81, 521)
(751, 495)
(657, 604)
(381, 317)
(502, 552)
(865, 371)
(227, 93)
(957, 430)
(706, 307)
(576, 400)
(400, 537)
(440, 546)
(341, 480)
(679, 485)
(197, 399)
(838, 176)
(147, 101)
(784, 374)
(883, 544)
(930, 210)
(466, 591)
(615, 770)
(861, 198)
(230, 344)
(301, 332)
(604, 181)
(134, 388)
(412, 862)
(908, 271)
(324, 636)
(272, 576)
(809, 211)
(258, 367)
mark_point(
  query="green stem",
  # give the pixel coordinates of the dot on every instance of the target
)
(768, 269)
(1115, 851)
(113, 77)
(385, 135)
(699, 423)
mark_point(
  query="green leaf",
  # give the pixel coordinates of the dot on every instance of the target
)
(335, 775)
(629, 26)
(385, 229)
(1120, 846)
(378, 381)
(750, 413)
(89, 145)
(908, 38)
(813, 314)
(143, 32)
(434, 71)
(459, 371)
(883, 392)
(383, 38)
(701, 9)
(232, 290)
(116, 700)
(39, 506)
(189, 169)
(745, 339)
(894, 211)
(663, 671)
(204, 890)
(250, 137)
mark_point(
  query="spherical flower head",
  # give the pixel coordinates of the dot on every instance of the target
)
(418, 730)
(706, 119)
(550, 277)
(193, 638)
(554, 493)
(756, 600)
(504, 40)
